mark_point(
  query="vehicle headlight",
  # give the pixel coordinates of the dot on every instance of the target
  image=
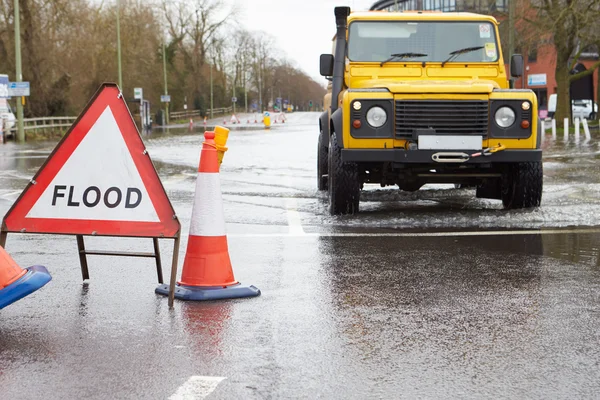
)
(376, 117)
(505, 117)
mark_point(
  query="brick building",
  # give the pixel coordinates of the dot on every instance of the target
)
(539, 55)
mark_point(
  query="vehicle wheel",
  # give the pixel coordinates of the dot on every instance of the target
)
(592, 117)
(522, 185)
(322, 163)
(344, 187)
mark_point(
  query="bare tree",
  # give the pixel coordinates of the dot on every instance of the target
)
(570, 24)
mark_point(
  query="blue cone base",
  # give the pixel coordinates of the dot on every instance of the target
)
(202, 293)
(36, 277)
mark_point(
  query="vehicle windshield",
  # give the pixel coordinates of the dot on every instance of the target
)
(376, 41)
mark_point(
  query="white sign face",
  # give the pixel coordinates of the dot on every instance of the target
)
(18, 89)
(99, 181)
(138, 93)
(536, 80)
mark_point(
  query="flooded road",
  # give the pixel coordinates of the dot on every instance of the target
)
(428, 294)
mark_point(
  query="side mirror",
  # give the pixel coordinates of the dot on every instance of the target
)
(516, 66)
(326, 65)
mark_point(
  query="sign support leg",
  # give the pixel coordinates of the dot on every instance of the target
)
(158, 261)
(3, 235)
(82, 258)
(174, 271)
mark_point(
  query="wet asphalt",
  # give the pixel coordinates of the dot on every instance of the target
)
(433, 294)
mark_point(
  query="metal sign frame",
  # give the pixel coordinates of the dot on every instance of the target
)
(83, 253)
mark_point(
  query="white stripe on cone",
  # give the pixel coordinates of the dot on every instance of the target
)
(207, 215)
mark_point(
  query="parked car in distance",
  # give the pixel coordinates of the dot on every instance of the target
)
(580, 108)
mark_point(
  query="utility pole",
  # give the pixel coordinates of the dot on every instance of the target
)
(166, 121)
(245, 82)
(211, 91)
(118, 44)
(233, 92)
(259, 89)
(511, 33)
(19, 73)
(245, 94)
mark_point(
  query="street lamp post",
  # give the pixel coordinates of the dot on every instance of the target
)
(511, 33)
(233, 92)
(245, 91)
(19, 73)
(118, 45)
(260, 89)
(164, 54)
(211, 91)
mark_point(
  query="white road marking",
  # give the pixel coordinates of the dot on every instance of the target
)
(197, 387)
(293, 217)
(417, 234)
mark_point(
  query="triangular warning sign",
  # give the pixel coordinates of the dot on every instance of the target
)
(99, 180)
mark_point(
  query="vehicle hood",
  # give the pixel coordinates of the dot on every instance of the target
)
(432, 86)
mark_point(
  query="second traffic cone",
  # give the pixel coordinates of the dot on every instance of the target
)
(207, 272)
(16, 283)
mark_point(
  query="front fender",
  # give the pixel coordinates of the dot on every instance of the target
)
(337, 126)
(324, 123)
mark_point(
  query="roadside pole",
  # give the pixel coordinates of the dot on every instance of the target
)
(19, 73)
(245, 91)
(118, 45)
(511, 34)
(233, 93)
(211, 92)
(166, 121)
(260, 89)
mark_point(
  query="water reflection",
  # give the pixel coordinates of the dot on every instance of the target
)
(577, 248)
(450, 295)
(205, 325)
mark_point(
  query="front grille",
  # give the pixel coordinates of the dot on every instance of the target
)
(445, 117)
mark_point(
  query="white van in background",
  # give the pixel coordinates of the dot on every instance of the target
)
(7, 115)
(580, 108)
(7, 118)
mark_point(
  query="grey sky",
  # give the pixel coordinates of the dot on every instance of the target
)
(303, 28)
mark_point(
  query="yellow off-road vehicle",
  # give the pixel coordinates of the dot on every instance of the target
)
(423, 97)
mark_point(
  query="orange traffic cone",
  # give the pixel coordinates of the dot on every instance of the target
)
(207, 272)
(16, 283)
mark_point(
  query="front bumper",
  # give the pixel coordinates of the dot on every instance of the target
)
(402, 156)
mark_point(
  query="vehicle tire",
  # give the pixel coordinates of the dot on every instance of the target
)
(322, 162)
(522, 185)
(344, 186)
(592, 117)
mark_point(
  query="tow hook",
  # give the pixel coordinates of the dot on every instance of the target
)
(450, 157)
(489, 151)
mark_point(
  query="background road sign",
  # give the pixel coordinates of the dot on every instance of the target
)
(138, 93)
(234, 99)
(17, 89)
(165, 98)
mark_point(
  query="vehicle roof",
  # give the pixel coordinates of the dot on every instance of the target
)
(418, 15)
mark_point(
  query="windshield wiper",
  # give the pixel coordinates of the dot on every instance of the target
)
(458, 52)
(403, 55)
